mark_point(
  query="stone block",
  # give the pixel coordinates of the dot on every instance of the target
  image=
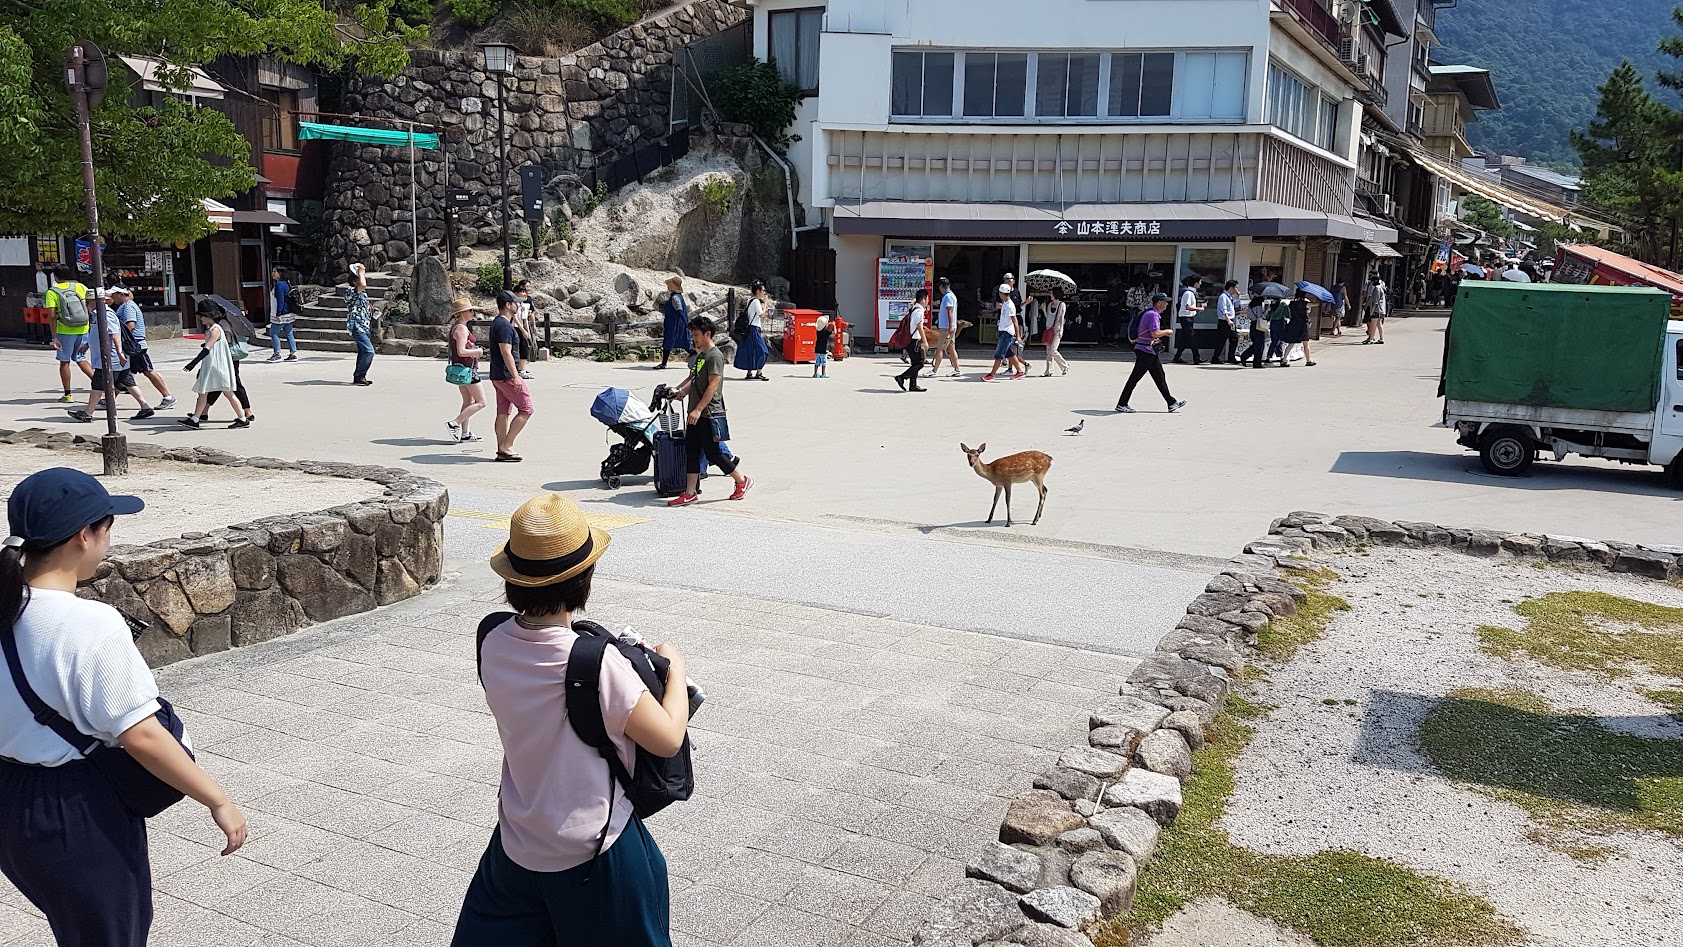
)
(253, 567)
(1127, 829)
(394, 583)
(1166, 752)
(1250, 620)
(1521, 544)
(1131, 712)
(261, 615)
(1037, 817)
(1108, 876)
(1081, 841)
(1216, 651)
(1094, 762)
(357, 558)
(973, 911)
(1191, 678)
(1279, 586)
(285, 535)
(1068, 783)
(1064, 906)
(1484, 542)
(1654, 565)
(367, 518)
(169, 604)
(1188, 725)
(208, 582)
(323, 593)
(211, 634)
(1119, 740)
(1047, 935)
(1328, 537)
(1369, 529)
(146, 562)
(1564, 549)
(1158, 795)
(1426, 534)
(1225, 585)
(1301, 518)
(1001, 864)
(160, 647)
(1214, 603)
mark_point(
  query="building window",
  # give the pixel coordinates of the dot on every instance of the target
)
(923, 85)
(794, 46)
(1212, 85)
(46, 251)
(1141, 84)
(280, 120)
(1067, 85)
(995, 85)
(1298, 109)
(1327, 127)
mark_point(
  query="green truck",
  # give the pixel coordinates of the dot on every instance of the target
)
(1535, 369)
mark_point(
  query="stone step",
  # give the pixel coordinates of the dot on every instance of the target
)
(314, 345)
(317, 335)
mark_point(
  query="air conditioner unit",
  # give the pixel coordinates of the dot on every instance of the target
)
(1387, 206)
(1347, 50)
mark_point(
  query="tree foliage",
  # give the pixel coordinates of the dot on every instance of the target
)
(1485, 215)
(755, 93)
(154, 164)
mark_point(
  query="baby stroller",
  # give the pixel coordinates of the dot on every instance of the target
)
(635, 423)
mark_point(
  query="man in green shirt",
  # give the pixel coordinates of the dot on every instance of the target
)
(707, 431)
(68, 301)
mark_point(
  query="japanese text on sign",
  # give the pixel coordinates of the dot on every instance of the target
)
(1109, 228)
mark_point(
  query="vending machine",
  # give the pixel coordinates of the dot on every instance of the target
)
(898, 280)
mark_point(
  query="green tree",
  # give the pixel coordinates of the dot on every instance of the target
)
(1485, 215)
(755, 93)
(1628, 153)
(154, 164)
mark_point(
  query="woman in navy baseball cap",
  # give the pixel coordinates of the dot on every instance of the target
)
(76, 688)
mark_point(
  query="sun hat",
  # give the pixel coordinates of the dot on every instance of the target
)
(460, 304)
(675, 283)
(549, 541)
(51, 505)
(822, 322)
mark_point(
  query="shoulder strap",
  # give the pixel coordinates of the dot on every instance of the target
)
(584, 708)
(485, 625)
(44, 715)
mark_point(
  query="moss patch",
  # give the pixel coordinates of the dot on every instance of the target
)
(1568, 771)
(1283, 636)
(1337, 899)
(1593, 631)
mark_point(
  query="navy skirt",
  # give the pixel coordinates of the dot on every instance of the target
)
(677, 330)
(751, 352)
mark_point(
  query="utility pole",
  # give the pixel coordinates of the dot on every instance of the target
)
(85, 75)
(499, 62)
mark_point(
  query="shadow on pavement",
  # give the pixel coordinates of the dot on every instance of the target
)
(447, 459)
(315, 382)
(412, 441)
(1459, 468)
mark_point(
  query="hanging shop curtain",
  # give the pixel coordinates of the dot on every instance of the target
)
(380, 136)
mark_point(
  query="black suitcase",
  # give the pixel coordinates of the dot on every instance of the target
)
(671, 467)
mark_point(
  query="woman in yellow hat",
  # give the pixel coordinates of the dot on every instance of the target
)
(552, 869)
(676, 336)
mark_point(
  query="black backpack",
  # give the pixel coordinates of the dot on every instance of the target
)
(657, 781)
(739, 328)
(294, 300)
(1134, 325)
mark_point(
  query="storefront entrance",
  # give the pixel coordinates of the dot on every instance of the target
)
(975, 271)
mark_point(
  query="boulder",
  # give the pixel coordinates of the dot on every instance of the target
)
(1188, 725)
(430, 293)
(1080, 841)
(1191, 678)
(1130, 712)
(208, 582)
(146, 562)
(211, 634)
(1426, 534)
(323, 593)
(262, 615)
(1062, 905)
(1047, 935)
(158, 646)
(1037, 817)
(1068, 783)
(170, 605)
(1108, 876)
(1564, 549)
(1655, 565)
(1521, 544)
(253, 568)
(1100, 764)
(1166, 752)
(1327, 537)
(1225, 584)
(1158, 795)
(394, 583)
(1128, 830)
(1214, 603)
(1119, 740)
(1370, 529)
(1001, 864)
(356, 558)
(972, 911)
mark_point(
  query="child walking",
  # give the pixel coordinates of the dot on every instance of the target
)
(821, 354)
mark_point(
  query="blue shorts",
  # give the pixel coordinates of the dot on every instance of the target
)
(820, 360)
(72, 348)
(1003, 349)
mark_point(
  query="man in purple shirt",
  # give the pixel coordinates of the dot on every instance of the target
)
(1146, 356)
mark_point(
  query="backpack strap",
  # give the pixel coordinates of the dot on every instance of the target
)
(485, 625)
(584, 710)
(44, 715)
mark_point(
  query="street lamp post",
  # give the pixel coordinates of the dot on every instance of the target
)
(499, 62)
(85, 76)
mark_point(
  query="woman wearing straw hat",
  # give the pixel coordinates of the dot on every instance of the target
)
(677, 311)
(463, 370)
(551, 869)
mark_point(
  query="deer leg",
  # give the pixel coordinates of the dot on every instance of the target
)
(995, 508)
(1008, 505)
(1042, 507)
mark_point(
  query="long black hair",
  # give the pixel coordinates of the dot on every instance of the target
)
(14, 592)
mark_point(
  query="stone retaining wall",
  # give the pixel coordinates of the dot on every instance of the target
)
(205, 592)
(1070, 849)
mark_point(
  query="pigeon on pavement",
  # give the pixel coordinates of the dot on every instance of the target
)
(1079, 425)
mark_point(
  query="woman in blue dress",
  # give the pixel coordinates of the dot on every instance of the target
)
(677, 311)
(751, 352)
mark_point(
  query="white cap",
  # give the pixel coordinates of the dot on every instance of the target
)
(114, 290)
(1010, 276)
(1004, 288)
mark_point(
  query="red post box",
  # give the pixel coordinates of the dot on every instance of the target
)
(800, 340)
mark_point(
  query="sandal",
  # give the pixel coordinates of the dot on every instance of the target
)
(507, 458)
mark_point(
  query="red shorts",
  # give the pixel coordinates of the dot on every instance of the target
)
(512, 397)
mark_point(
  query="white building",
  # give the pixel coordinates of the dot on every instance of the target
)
(1127, 143)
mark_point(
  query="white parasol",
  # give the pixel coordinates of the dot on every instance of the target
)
(1044, 281)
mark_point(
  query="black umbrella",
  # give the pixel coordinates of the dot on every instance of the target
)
(1273, 291)
(227, 310)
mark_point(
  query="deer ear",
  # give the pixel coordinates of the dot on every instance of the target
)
(982, 448)
(963, 448)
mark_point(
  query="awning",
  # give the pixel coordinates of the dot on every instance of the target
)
(366, 136)
(219, 214)
(1379, 250)
(203, 87)
(265, 217)
(1490, 190)
(1078, 223)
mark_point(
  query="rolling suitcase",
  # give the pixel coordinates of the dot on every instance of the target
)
(671, 467)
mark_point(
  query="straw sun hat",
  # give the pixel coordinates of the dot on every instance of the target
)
(675, 283)
(549, 541)
(460, 304)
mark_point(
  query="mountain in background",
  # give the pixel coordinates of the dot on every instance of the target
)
(1546, 59)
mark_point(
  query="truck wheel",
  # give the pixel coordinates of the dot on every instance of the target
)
(1674, 472)
(1506, 451)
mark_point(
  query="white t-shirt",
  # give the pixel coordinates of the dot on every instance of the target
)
(1007, 315)
(755, 308)
(79, 658)
(915, 318)
(1188, 302)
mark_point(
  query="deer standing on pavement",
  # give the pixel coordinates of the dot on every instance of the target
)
(1002, 473)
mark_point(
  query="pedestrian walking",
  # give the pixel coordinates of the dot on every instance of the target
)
(463, 371)
(525, 323)
(1227, 322)
(568, 857)
(133, 321)
(1056, 313)
(1297, 329)
(117, 370)
(359, 321)
(1339, 303)
(1147, 356)
(1277, 344)
(67, 300)
(946, 327)
(821, 351)
(707, 429)
(79, 694)
(676, 335)
(1010, 329)
(1375, 306)
(1257, 316)
(238, 348)
(1186, 336)
(514, 396)
(751, 351)
(916, 316)
(215, 363)
(281, 317)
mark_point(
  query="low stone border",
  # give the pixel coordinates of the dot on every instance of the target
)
(1069, 850)
(205, 592)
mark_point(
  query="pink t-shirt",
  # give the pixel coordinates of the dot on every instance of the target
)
(555, 788)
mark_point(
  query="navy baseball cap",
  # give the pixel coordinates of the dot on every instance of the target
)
(50, 506)
(1159, 297)
(507, 298)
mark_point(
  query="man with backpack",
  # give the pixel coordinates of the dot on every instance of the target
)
(121, 377)
(283, 309)
(1145, 330)
(593, 730)
(133, 322)
(68, 300)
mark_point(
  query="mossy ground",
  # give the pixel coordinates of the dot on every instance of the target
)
(1337, 899)
(1593, 631)
(1283, 636)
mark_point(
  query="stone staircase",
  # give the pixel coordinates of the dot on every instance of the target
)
(320, 325)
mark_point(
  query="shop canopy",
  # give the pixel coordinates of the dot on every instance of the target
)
(1490, 190)
(380, 136)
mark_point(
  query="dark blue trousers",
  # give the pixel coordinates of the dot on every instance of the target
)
(68, 844)
(619, 900)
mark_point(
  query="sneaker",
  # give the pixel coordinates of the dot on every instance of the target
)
(526, 375)
(742, 488)
(291, 358)
(987, 378)
(143, 414)
(273, 358)
(190, 421)
(455, 430)
(825, 375)
(81, 417)
(67, 398)
(1019, 375)
(362, 382)
(168, 402)
(240, 423)
(1177, 406)
(956, 375)
(1309, 364)
(1124, 409)
(682, 499)
(467, 438)
(900, 381)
